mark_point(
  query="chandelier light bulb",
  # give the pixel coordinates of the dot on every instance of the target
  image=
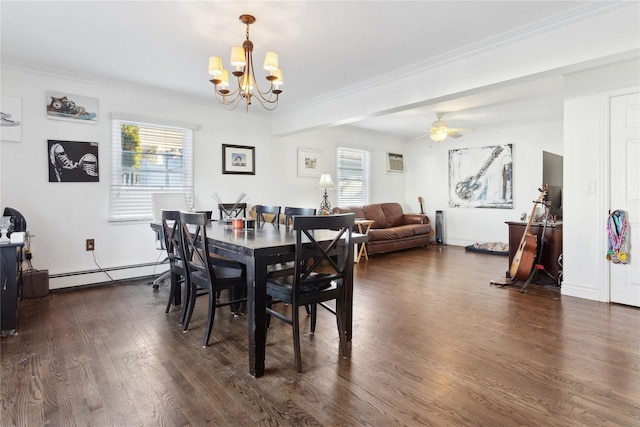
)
(246, 83)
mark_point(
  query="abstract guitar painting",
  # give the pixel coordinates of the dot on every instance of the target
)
(481, 177)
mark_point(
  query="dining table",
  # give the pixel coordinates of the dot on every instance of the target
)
(257, 248)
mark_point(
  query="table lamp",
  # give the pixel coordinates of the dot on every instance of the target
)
(325, 182)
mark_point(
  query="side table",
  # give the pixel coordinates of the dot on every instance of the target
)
(364, 225)
(551, 250)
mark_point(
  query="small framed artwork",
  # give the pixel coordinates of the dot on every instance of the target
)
(238, 159)
(10, 119)
(72, 108)
(309, 162)
(73, 161)
(395, 162)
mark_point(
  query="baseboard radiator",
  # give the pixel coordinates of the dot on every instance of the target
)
(102, 270)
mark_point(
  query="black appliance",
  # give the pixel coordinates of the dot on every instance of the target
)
(440, 227)
(18, 223)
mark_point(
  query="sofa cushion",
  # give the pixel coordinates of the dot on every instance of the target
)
(392, 233)
(422, 228)
(375, 213)
(356, 210)
(393, 214)
(415, 218)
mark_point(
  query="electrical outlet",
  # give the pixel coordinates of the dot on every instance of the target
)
(91, 244)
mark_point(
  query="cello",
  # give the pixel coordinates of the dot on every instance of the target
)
(522, 262)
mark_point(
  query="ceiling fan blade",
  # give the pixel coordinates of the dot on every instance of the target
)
(422, 136)
(461, 130)
(453, 134)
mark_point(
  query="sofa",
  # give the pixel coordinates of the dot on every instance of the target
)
(393, 229)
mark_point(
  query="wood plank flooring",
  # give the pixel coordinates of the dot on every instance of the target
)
(433, 344)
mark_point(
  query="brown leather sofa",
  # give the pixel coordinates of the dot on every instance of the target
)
(393, 229)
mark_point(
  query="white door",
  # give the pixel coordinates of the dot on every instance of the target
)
(625, 193)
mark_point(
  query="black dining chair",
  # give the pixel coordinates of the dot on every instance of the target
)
(290, 212)
(232, 210)
(286, 268)
(171, 234)
(319, 275)
(268, 210)
(205, 273)
(168, 201)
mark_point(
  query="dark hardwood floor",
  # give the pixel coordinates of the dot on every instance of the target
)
(433, 344)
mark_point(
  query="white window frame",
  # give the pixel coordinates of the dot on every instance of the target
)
(355, 174)
(132, 202)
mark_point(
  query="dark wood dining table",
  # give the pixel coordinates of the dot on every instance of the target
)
(258, 248)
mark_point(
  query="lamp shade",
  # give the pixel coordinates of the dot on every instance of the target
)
(215, 66)
(279, 81)
(237, 57)
(224, 79)
(271, 61)
(326, 181)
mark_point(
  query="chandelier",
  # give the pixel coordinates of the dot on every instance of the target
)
(242, 60)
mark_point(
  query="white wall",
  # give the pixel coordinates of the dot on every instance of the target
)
(63, 215)
(385, 186)
(427, 177)
(586, 133)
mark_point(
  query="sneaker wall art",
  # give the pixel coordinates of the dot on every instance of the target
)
(73, 161)
(69, 107)
(10, 118)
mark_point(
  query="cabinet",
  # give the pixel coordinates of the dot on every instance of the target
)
(551, 250)
(9, 288)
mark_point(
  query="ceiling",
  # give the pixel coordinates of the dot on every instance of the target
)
(324, 46)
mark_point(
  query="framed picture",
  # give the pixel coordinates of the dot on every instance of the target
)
(481, 177)
(309, 162)
(73, 161)
(238, 159)
(10, 119)
(72, 108)
(395, 162)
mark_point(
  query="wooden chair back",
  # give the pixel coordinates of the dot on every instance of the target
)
(318, 263)
(289, 213)
(232, 210)
(171, 234)
(269, 210)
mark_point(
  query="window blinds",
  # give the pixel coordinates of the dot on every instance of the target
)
(353, 177)
(147, 158)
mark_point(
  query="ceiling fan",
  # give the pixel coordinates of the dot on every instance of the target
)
(440, 130)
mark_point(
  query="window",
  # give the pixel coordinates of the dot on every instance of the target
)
(353, 177)
(147, 158)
